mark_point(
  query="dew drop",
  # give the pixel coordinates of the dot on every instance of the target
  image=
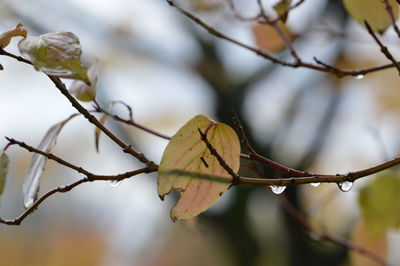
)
(29, 202)
(277, 189)
(361, 76)
(345, 186)
(315, 184)
(114, 183)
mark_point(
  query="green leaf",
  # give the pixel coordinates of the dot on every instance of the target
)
(282, 8)
(5, 38)
(4, 161)
(380, 203)
(188, 166)
(36, 166)
(372, 11)
(57, 54)
(83, 91)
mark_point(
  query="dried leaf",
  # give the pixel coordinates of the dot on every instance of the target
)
(188, 166)
(268, 38)
(380, 204)
(372, 11)
(4, 161)
(57, 54)
(5, 38)
(37, 164)
(362, 237)
(83, 91)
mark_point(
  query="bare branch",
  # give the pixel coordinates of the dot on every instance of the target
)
(389, 9)
(92, 119)
(384, 49)
(323, 236)
(66, 188)
(260, 52)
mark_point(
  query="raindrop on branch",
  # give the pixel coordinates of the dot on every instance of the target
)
(114, 183)
(315, 184)
(277, 189)
(345, 186)
(361, 76)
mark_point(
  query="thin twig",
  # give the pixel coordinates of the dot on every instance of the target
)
(221, 161)
(323, 236)
(384, 49)
(92, 119)
(254, 156)
(66, 188)
(389, 9)
(318, 67)
(131, 122)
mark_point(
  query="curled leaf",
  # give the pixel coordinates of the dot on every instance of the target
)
(83, 91)
(188, 166)
(57, 54)
(4, 161)
(5, 38)
(372, 11)
(36, 166)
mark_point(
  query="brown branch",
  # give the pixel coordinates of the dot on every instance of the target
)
(66, 188)
(254, 156)
(389, 9)
(130, 120)
(323, 236)
(92, 119)
(89, 177)
(318, 67)
(384, 49)
(221, 161)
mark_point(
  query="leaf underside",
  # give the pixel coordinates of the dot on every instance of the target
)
(36, 166)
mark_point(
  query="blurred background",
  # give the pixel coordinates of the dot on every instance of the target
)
(169, 70)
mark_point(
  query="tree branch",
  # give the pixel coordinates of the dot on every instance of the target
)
(384, 49)
(323, 236)
(260, 52)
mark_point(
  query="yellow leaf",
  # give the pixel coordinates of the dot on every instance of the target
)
(372, 11)
(282, 8)
(377, 245)
(188, 166)
(6, 36)
(268, 38)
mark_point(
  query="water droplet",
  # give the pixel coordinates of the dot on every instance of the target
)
(345, 186)
(361, 76)
(28, 202)
(315, 184)
(277, 189)
(114, 183)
